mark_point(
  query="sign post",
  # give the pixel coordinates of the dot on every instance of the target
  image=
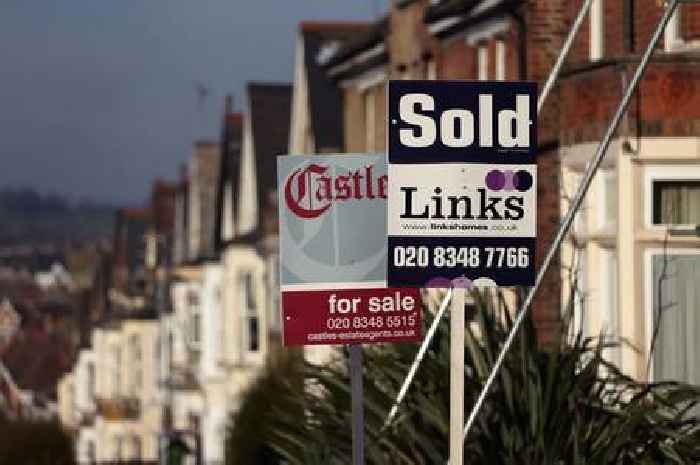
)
(332, 227)
(462, 198)
(358, 413)
(457, 376)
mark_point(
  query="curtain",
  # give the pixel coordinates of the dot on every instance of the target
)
(677, 350)
(677, 202)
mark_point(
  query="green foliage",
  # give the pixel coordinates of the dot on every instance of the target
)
(557, 405)
(34, 443)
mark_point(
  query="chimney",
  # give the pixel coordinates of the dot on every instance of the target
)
(228, 104)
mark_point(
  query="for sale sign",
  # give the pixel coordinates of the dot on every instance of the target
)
(332, 218)
(462, 196)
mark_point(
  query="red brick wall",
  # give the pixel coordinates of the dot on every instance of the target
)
(579, 51)
(409, 41)
(546, 28)
(646, 17)
(690, 22)
(457, 61)
(667, 103)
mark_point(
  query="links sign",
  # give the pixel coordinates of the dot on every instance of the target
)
(462, 194)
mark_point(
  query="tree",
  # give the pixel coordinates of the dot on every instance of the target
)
(549, 405)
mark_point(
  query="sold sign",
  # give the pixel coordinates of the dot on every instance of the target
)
(462, 192)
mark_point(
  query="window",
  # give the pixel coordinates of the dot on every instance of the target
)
(500, 60)
(136, 448)
(674, 303)
(195, 328)
(579, 291)
(192, 299)
(91, 381)
(609, 315)
(676, 202)
(90, 452)
(683, 30)
(118, 448)
(117, 371)
(157, 353)
(136, 362)
(482, 62)
(195, 317)
(610, 183)
(597, 30)
(227, 219)
(250, 313)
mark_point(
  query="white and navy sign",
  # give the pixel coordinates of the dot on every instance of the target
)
(462, 194)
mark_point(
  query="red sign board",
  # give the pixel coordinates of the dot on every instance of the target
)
(351, 316)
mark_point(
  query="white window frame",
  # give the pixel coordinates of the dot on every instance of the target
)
(580, 294)
(604, 176)
(247, 312)
(649, 297)
(596, 37)
(194, 311)
(609, 291)
(136, 361)
(482, 62)
(665, 173)
(227, 226)
(500, 60)
(432, 73)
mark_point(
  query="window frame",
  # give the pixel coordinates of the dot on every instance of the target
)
(482, 61)
(596, 33)
(501, 60)
(649, 297)
(664, 173)
(246, 282)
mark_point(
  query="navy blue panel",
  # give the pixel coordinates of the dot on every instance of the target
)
(427, 272)
(449, 95)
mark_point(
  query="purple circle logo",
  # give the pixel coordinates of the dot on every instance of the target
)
(508, 180)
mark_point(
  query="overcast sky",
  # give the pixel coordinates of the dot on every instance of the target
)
(98, 97)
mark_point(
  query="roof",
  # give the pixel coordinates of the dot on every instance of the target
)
(448, 8)
(459, 15)
(325, 98)
(373, 36)
(270, 108)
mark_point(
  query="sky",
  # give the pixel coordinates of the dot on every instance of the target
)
(98, 97)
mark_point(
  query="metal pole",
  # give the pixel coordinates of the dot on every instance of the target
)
(358, 414)
(568, 43)
(457, 376)
(576, 204)
(419, 358)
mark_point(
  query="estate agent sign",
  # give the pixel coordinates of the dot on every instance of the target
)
(332, 217)
(462, 190)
